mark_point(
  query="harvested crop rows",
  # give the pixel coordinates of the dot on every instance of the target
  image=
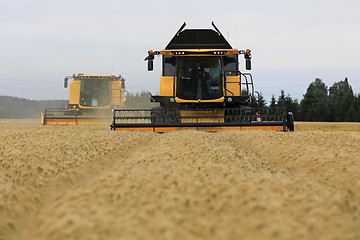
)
(80, 182)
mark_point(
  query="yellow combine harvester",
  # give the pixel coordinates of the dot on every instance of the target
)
(201, 87)
(92, 99)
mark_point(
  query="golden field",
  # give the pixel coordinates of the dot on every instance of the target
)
(87, 182)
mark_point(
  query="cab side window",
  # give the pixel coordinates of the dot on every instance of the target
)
(169, 65)
(231, 65)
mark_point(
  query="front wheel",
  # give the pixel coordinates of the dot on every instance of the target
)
(290, 122)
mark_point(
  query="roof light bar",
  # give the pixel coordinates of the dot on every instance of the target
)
(177, 53)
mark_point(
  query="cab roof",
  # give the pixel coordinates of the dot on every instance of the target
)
(198, 39)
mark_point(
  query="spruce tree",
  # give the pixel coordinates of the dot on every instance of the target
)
(315, 104)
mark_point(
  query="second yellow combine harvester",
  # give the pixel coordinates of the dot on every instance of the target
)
(201, 87)
(92, 99)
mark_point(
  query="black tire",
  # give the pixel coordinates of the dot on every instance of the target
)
(290, 122)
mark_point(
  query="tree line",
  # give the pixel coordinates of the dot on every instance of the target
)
(321, 103)
(14, 107)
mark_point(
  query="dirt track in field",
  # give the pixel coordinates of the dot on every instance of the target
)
(93, 183)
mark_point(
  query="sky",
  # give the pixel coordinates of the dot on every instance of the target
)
(292, 42)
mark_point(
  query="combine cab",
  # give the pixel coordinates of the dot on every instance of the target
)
(92, 98)
(201, 87)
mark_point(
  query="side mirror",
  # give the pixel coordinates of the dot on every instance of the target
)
(248, 64)
(150, 65)
(66, 82)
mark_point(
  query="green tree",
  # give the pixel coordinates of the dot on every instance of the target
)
(139, 100)
(356, 108)
(341, 98)
(315, 104)
(281, 99)
(291, 105)
(261, 100)
(273, 103)
(257, 100)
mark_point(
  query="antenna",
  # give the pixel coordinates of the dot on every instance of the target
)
(213, 24)
(181, 28)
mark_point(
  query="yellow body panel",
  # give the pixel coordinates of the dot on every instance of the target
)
(42, 119)
(147, 129)
(77, 122)
(179, 100)
(277, 128)
(116, 92)
(167, 86)
(75, 92)
(84, 107)
(94, 76)
(72, 120)
(233, 85)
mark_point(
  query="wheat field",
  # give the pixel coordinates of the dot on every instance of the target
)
(87, 182)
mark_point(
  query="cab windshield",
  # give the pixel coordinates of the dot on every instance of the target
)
(94, 93)
(199, 78)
